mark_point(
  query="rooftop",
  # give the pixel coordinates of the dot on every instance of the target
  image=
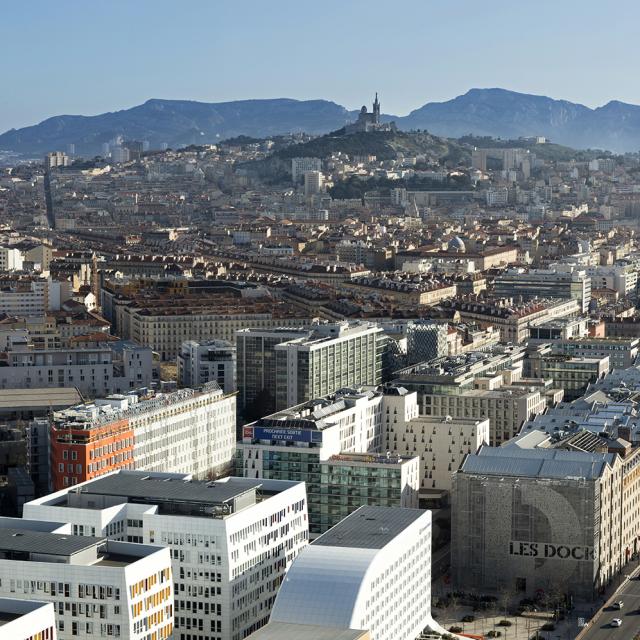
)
(26, 541)
(547, 463)
(140, 487)
(292, 631)
(369, 527)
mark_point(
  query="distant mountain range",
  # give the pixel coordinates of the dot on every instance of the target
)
(485, 112)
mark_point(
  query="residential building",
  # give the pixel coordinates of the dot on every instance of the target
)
(96, 367)
(55, 159)
(32, 296)
(329, 357)
(312, 182)
(187, 431)
(98, 587)
(442, 443)
(11, 259)
(231, 541)
(371, 571)
(622, 278)
(209, 361)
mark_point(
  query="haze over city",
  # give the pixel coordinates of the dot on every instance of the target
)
(319, 321)
(86, 58)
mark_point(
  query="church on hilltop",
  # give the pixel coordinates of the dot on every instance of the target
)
(369, 121)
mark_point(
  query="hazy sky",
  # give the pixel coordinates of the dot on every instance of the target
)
(90, 56)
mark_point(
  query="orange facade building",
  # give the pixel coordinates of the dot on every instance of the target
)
(79, 454)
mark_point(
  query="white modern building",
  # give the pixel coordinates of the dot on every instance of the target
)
(210, 361)
(231, 540)
(27, 620)
(11, 259)
(26, 296)
(99, 588)
(371, 571)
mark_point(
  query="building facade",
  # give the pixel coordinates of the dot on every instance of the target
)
(99, 588)
(187, 431)
(210, 361)
(292, 369)
(371, 571)
(231, 541)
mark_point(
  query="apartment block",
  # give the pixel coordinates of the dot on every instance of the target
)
(96, 367)
(442, 443)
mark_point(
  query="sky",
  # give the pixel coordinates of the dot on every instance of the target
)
(88, 57)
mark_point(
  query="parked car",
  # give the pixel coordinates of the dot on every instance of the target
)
(616, 622)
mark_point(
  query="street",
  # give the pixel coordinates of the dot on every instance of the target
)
(630, 616)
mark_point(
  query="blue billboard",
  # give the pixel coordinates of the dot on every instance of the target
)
(286, 435)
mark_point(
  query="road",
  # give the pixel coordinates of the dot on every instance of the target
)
(630, 616)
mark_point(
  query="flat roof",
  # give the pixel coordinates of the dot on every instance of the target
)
(24, 540)
(8, 616)
(293, 631)
(38, 398)
(369, 527)
(142, 486)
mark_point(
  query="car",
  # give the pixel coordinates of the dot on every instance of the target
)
(618, 605)
(616, 622)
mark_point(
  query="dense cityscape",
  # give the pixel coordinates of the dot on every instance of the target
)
(274, 369)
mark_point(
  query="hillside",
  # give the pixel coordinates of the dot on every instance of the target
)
(178, 123)
(481, 112)
(383, 145)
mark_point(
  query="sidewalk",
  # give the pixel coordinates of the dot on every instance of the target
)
(522, 628)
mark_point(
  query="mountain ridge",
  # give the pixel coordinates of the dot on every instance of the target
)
(495, 112)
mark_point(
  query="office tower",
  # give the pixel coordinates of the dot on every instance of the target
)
(312, 182)
(336, 446)
(371, 571)
(544, 283)
(315, 364)
(187, 431)
(210, 361)
(99, 587)
(231, 540)
(299, 166)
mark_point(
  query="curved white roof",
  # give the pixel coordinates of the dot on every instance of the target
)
(324, 586)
